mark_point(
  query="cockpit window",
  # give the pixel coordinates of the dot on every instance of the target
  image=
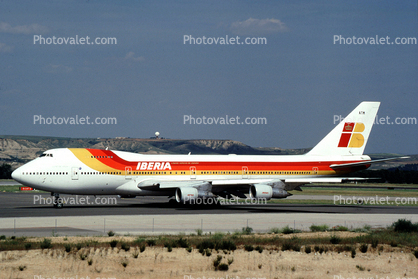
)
(46, 155)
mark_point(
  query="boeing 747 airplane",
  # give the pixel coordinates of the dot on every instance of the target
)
(84, 171)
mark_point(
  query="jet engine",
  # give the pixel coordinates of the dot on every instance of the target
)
(186, 194)
(263, 191)
(191, 195)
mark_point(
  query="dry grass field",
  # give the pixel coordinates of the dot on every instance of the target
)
(102, 261)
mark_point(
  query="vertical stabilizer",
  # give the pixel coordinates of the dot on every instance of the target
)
(350, 136)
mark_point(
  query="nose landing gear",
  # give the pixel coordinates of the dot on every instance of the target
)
(57, 200)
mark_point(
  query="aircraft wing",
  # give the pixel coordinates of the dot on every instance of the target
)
(223, 187)
(241, 188)
(161, 183)
(288, 183)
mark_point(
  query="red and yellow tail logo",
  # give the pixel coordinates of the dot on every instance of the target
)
(351, 135)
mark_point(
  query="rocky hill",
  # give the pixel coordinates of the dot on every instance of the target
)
(20, 149)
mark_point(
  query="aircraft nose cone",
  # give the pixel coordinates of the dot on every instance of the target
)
(16, 174)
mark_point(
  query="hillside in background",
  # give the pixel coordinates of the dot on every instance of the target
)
(17, 150)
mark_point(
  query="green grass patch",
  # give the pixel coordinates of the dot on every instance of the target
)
(16, 189)
(11, 188)
(46, 243)
(330, 202)
(335, 239)
(358, 191)
(302, 202)
(319, 228)
(403, 225)
(339, 229)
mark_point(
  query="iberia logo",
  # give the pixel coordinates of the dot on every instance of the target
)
(351, 135)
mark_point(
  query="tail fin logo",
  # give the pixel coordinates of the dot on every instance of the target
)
(348, 127)
(352, 137)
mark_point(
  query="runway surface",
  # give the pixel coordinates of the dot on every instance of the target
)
(21, 214)
(40, 205)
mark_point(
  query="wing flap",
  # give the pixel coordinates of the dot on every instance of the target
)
(164, 184)
(226, 182)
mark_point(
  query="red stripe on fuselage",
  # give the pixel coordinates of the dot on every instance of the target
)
(118, 163)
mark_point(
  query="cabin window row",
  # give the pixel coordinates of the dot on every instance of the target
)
(219, 172)
(45, 173)
(279, 172)
(102, 157)
(154, 172)
(98, 173)
(158, 172)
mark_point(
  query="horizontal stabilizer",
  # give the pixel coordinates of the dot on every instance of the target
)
(339, 166)
(314, 180)
(322, 179)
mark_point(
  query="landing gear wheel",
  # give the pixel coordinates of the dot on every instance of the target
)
(57, 201)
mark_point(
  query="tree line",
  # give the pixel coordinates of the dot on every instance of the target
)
(407, 174)
(5, 171)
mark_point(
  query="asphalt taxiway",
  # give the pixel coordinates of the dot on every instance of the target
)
(22, 214)
(40, 205)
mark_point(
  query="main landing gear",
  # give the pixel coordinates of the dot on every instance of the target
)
(57, 200)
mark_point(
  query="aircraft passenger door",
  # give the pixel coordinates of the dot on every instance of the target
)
(128, 173)
(315, 170)
(74, 173)
(244, 172)
(192, 172)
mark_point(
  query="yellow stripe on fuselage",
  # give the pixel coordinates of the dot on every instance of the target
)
(85, 157)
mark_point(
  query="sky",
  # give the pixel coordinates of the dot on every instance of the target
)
(297, 79)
